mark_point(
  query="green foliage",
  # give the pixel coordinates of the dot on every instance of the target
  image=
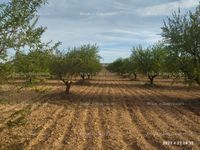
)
(36, 61)
(17, 24)
(60, 65)
(123, 66)
(182, 36)
(79, 60)
(116, 66)
(18, 31)
(5, 70)
(83, 59)
(150, 60)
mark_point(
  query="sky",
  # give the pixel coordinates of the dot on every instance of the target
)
(114, 25)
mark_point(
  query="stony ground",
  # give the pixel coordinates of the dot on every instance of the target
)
(110, 113)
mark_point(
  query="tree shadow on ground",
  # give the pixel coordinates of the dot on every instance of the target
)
(145, 85)
(58, 97)
(167, 102)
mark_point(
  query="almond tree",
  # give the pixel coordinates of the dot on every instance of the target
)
(123, 66)
(17, 24)
(86, 60)
(35, 61)
(116, 66)
(62, 68)
(18, 29)
(77, 61)
(182, 36)
(150, 61)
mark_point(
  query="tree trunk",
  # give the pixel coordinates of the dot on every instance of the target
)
(151, 81)
(68, 86)
(197, 80)
(83, 76)
(67, 83)
(151, 78)
(88, 76)
(30, 79)
(135, 76)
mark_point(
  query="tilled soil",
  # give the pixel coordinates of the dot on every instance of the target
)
(109, 113)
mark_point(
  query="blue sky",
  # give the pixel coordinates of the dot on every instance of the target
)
(114, 25)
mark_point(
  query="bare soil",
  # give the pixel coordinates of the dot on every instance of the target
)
(109, 113)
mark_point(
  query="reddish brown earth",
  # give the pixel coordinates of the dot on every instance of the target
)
(110, 113)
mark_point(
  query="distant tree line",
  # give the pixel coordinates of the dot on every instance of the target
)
(82, 61)
(178, 53)
(150, 62)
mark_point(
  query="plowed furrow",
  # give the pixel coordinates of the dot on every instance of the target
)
(142, 123)
(5, 115)
(43, 135)
(59, 141)
(10, 108)
(93, 132)
(3, 106)
(169, 133)
(57, 129)
(175, 111)
(112, 139)
(19, 112)
(75, 135)
(117, 104)
(145, 128)
(192, 117)
(173, 123)
(185, 94)
(23, 134)
(13, 116)
(131, 135)
(180, 115)
(25, 104)
(47, 139)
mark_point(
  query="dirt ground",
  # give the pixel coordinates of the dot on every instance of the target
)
(109, 113)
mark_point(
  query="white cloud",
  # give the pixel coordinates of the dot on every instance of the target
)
(167, 8)
(101, 14)
(126, 31)
(113, 25)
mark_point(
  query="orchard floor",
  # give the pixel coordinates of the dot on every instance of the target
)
(110, 113)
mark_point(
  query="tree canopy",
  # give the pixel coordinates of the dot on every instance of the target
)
(18, 25)
(182, 37)
(77, 61)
